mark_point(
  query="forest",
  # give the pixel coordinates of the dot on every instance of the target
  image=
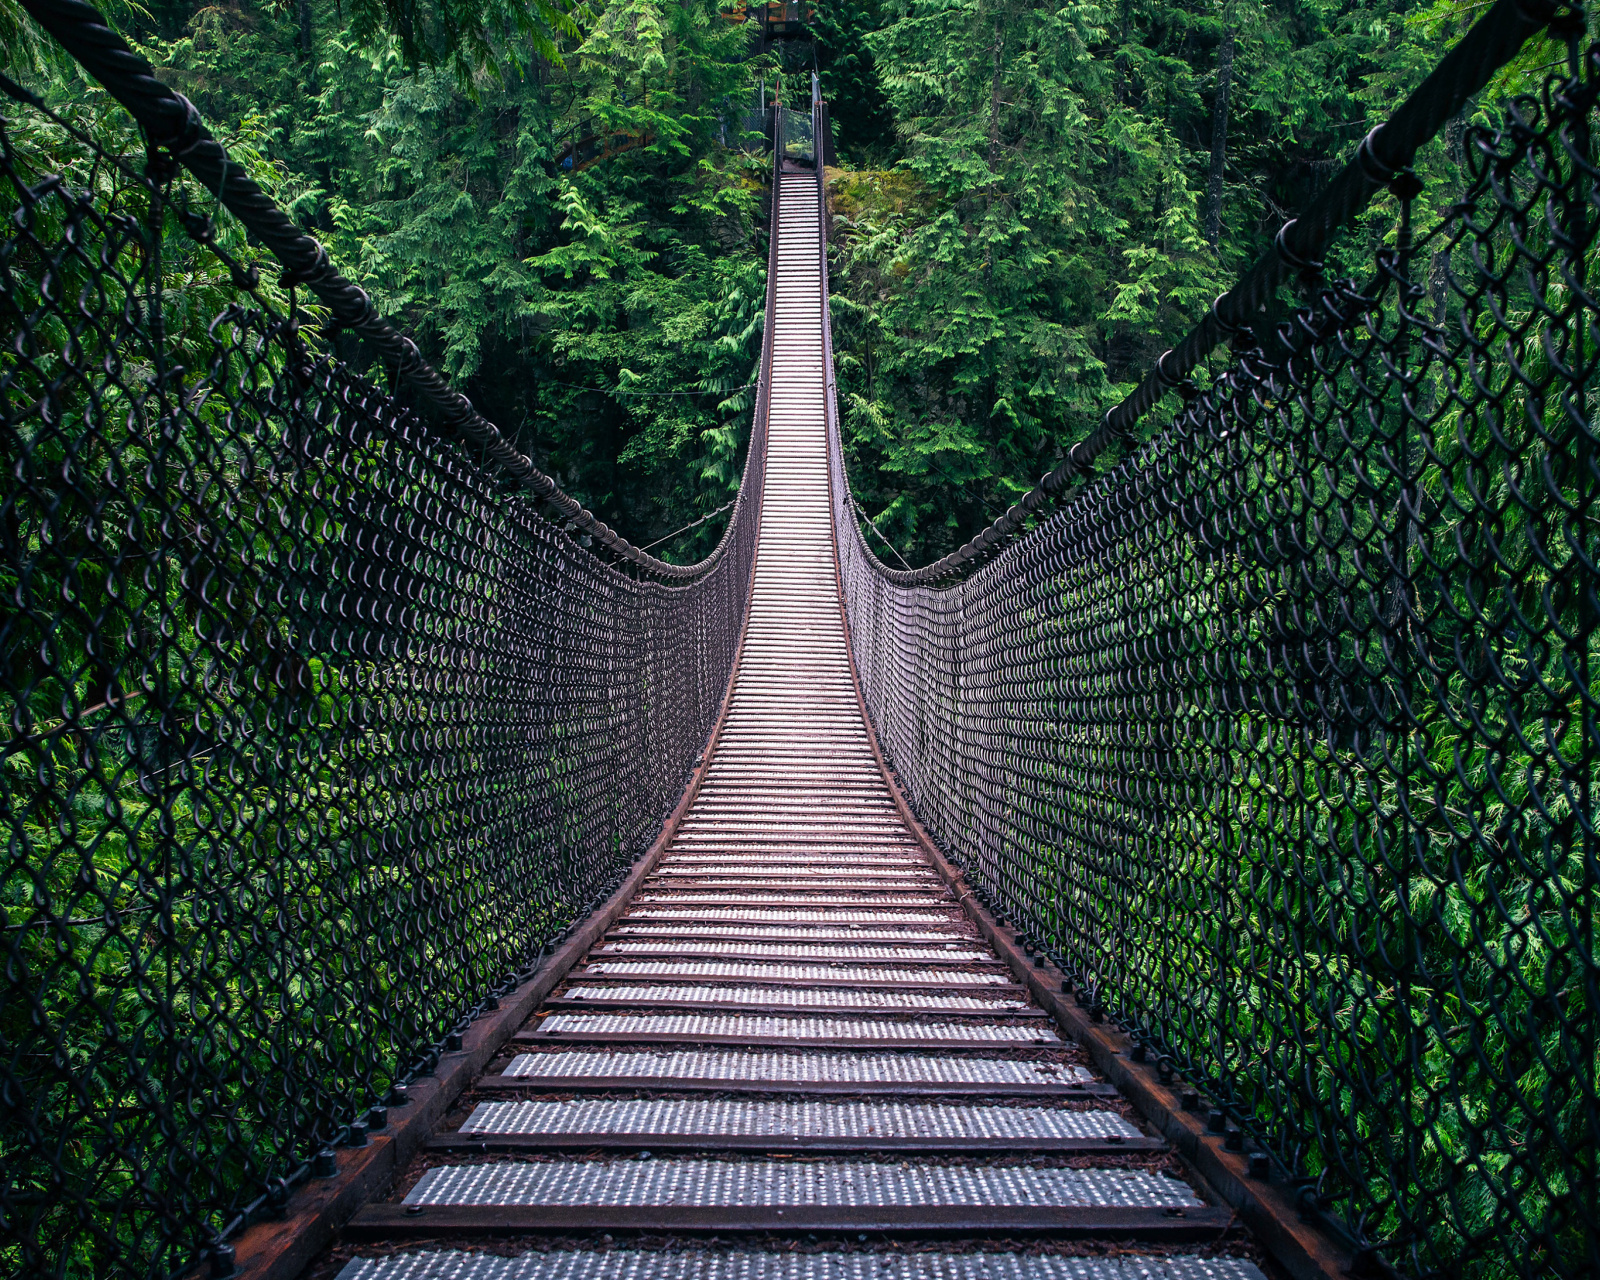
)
(562, 205)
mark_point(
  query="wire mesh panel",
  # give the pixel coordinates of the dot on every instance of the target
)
(317, 731)
(798, 140)
(1282, 734)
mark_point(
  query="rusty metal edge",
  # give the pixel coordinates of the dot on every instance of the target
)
(319, 1210)
(1266, 1207)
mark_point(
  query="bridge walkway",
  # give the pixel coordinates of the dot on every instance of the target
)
(793, 1052)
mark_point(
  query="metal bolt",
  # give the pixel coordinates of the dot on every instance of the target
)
(1260, 1165)
(1039, 960)
(1022, 939)
(325, 1164)
(358, 1133)
(413, 1210)
(221, 1262)
(1137, 1053)
(452, 1042)
(1216, 1122)
(1233, 1139)
(1066, 986)
(398, 1096)
(1191, 1100)
(378, 1118)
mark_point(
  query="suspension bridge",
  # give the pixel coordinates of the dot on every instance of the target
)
(1193, 876)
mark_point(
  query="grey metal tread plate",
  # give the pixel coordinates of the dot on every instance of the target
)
(620, 1264)
(794, 1119)
(837, 877)
(810, 1066)
(795, 915)
(904, 1009)
(861, 864)
(832, 999)
(776, 1183)
(884, 902)
(837, 845)
(1092, 1090)
(850, 935)
(827, 972)
(861, 1032)
(748, 1125)
(943, 1039)
(886, 829)
(834, 875)
(840, 980)
(758, 1144)
(731, 890)
(694, 950)
(836, 850)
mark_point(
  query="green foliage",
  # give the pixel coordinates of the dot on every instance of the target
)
(575, 243)
(1061, 153)
(474, 36)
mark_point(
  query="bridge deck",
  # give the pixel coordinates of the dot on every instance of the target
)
(794, 1035)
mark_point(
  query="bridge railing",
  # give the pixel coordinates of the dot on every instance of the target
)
(1281, 735)
(321, 725)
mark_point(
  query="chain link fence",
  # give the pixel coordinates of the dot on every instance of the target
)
(1281, 735)
(319, 731)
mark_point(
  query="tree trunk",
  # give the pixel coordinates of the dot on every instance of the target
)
(305, 28)
(994, 151)
(1212, 224)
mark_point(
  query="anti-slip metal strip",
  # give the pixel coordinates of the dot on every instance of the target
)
(828, 998)
(800, 951)
(779, 1027)
(771, 1182)
(706, 1265)
(775, 915)
(795, 1067)
(742, 1118)
(833, 972)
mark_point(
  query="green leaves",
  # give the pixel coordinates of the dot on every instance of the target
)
(477, 39)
